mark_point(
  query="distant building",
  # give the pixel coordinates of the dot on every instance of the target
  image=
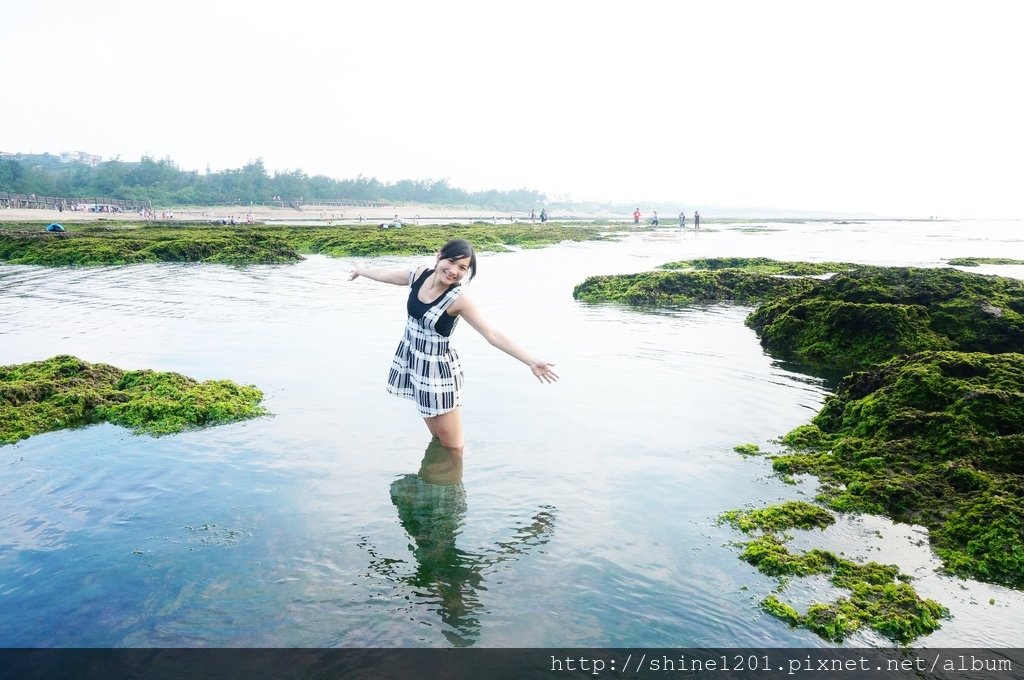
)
(80, 157)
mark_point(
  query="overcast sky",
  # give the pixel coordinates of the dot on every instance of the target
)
(897, 108)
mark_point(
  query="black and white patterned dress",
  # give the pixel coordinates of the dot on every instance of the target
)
(426, 368)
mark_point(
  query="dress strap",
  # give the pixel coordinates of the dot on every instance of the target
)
(448, 299)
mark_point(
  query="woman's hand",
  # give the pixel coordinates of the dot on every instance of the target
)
(542, 370)
(355, 274)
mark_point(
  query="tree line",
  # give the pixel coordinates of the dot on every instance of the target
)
(163, 183)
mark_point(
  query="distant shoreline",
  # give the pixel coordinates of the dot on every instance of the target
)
(263, 213)
(428, 213)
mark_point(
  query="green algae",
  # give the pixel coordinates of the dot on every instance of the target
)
(65, 392)
(880, 597)
(745, 280)
(871, 314)
(933, 439)
(688, 287)
(427, 240)
(848, 334)
(780, 610)
(763, 265)
(248, 244)
(860, 316)
(777, 518)
(978, 261)
(132, 245)
(747, 449)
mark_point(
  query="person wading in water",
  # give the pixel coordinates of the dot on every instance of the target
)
(426, 368)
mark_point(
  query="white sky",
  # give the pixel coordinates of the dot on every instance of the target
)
(900, 108)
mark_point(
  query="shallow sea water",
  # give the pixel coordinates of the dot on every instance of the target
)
(587, 513)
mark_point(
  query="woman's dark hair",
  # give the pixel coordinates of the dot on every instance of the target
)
(456, 249)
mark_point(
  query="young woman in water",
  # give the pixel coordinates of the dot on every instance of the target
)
(425, 367)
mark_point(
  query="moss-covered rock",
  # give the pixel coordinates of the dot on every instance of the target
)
(780, 610)
(688, 287)
(871, 314)
(762, 265)
(110, 245)
(64, 392)
(978, 261)
(861, 316)
(777, 518)
(245, 244)
(746, 280)
(937, 439)
(880, 596)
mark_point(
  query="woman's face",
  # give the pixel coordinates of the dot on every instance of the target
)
(452, 271)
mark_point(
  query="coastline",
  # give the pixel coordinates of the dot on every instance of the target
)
(272, 214)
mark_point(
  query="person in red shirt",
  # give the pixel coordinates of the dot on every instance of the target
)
(636, 217)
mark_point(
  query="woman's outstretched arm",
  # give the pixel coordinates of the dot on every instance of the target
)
(467, 310)
(399, 277)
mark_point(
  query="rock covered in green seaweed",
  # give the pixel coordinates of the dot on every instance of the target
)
(871, 314)
(746, 280)
(880, 596)
(688, 287)
(978, 261)
(762, 265)
(247, 244)
(64, 392)
(427, 240)
(781, 517)
(860, 316)
(936, 439)
(130, 245)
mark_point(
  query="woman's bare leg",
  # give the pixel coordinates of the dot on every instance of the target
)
(447, 427)
(437, 466)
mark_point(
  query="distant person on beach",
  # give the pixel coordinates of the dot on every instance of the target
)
(543, 215)
(696, 220)
(654, 220)
(533, 216)
(425, 367)
(682, 219)
(636, 218)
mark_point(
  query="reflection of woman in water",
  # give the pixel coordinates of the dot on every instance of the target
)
(431, 507)
(426, 368)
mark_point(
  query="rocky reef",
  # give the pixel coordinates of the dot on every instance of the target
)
(246, 244)
(65, 392)
(936, 439)
(868, 315)
(927, 427)
(881, 598)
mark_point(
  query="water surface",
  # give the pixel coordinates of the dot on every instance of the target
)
(586, 516)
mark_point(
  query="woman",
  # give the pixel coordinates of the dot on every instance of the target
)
(426, 368)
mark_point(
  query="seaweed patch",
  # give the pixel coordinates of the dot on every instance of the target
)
(65, 392)
(247, 244)
(880, 597)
